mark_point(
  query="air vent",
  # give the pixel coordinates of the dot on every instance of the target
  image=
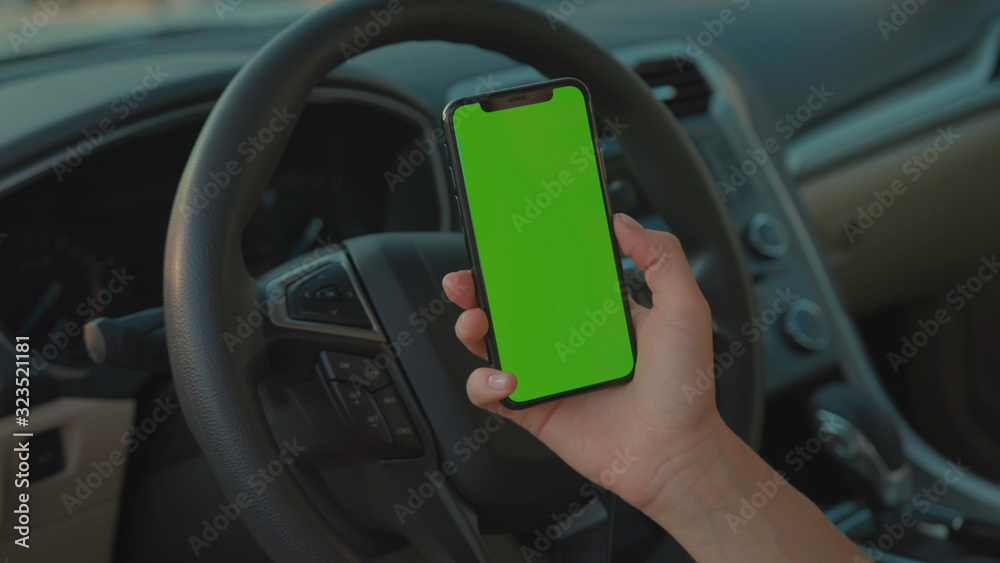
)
(678, 83)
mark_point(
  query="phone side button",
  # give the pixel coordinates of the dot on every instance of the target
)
(461, 212)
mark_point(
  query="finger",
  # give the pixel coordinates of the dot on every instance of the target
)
(660, 255)
(471, 329)
(486, 386)
(460, 288)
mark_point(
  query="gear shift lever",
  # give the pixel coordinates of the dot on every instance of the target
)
(865, 442)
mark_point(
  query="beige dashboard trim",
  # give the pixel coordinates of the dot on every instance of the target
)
(928, 235)
(91, 430)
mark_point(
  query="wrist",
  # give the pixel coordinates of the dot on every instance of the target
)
(700, 498)
(695, 485)
(709, 504)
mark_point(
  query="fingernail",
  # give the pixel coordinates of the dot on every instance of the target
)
(461, 319)
(498, 381)
(630, 221)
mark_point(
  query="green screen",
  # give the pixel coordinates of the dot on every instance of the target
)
(541, 231)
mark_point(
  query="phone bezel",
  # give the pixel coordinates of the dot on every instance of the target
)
(470, 237)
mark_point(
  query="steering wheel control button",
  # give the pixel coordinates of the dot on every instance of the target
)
(360, 406)
(400, 425)
(327, 296)
(356, 370)
(768, 236)
(806, 325)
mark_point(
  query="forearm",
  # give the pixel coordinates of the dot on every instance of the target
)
(727, 504)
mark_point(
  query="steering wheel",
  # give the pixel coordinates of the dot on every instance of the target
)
(329, 394)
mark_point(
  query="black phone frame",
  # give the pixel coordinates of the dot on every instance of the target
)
(500, 100)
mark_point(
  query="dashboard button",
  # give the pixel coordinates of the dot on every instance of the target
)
(806, 325)
(400, 425)
(327, 296)
(356, 370)
(767, 236)
(359, 405)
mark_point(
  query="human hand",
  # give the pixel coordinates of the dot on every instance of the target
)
(650, 420)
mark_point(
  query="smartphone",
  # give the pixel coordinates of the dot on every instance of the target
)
(532, 195)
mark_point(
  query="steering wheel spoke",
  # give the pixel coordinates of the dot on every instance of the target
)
(326, 347)
(364, 434)
(337, 391)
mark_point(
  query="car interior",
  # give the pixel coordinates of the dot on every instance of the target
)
(186, 186)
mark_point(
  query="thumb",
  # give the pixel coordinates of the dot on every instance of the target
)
(660, 255)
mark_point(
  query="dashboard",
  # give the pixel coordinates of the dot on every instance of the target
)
(86, 209)
(84, 213)
(88, 240)
(363, 159)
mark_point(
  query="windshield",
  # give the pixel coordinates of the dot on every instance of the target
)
(33, 27)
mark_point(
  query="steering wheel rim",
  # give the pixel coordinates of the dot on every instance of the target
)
(207, 287)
